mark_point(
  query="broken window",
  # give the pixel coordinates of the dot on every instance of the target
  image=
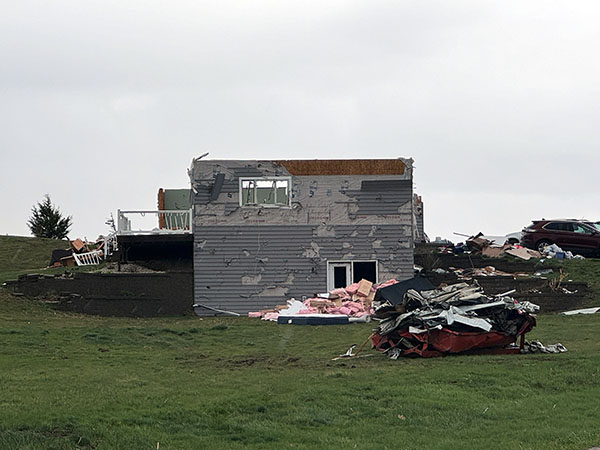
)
(344, 273)
(364, 269)
(339, 275)
(265, 191)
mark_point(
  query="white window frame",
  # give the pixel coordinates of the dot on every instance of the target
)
(266, 205)
(332, 264)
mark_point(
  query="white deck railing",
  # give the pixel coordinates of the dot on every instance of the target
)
(88, 259)
(154, 222)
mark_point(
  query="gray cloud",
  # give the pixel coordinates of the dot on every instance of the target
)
(103, 102)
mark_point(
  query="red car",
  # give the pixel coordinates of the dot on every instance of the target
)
(577, 236)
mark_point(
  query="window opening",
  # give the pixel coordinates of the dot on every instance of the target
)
(339, 277)
(366, 270)
(265, 191)
(343, 273)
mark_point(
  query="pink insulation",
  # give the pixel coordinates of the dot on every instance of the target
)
(348, 306)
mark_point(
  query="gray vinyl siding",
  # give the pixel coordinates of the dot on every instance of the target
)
(204, 186)
(380, 203)
(252, 258)
(247, 268)
(202, 195)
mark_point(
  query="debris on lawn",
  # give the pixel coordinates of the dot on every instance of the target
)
(349, 353)
(581, 311)
(521, 252)
(394, 293)
(58, 256)
(538, 347)
(564, 290)
(493, 248)
(515, 250)
(542, 272)
(80, 253)
(478, 244)
(452, 319)
(554, 251)
(339, 306)
(91, 258)
(488, 271)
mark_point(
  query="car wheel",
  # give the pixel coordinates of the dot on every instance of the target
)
(513, 241)
(540, 245)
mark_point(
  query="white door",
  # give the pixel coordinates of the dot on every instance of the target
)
(339, 274)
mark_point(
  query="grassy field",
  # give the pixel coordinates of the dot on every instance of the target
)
(20, 255)
(587, 270)
(70, 381)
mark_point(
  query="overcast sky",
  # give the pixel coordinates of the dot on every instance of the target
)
(498, 102)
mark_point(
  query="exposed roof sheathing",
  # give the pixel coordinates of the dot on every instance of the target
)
(344, 166)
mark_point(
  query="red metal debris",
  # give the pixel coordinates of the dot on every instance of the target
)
(440, 342)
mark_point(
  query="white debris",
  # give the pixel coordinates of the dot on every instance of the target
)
(581, 311)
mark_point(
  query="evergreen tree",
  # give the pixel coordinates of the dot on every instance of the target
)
(46, 221)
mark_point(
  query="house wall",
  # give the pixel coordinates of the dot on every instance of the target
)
(249, 258)
(419, 214)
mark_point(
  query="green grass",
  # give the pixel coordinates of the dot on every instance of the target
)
(19, 255)
(587, 270)
(71, 381)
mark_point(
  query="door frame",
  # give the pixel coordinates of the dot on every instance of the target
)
(349, 270)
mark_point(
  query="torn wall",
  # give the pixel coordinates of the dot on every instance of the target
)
(418, 207)
(248, 257)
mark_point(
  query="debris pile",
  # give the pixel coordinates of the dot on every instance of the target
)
(487, 271)
(554, 251)
(394, 292)
(80, 253)
(513, 250)
(479, 244)
(581, 311)
(353, 301)
(538, 347)
(488, 248)
(453, 319)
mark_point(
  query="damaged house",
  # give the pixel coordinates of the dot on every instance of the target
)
(267, 231)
